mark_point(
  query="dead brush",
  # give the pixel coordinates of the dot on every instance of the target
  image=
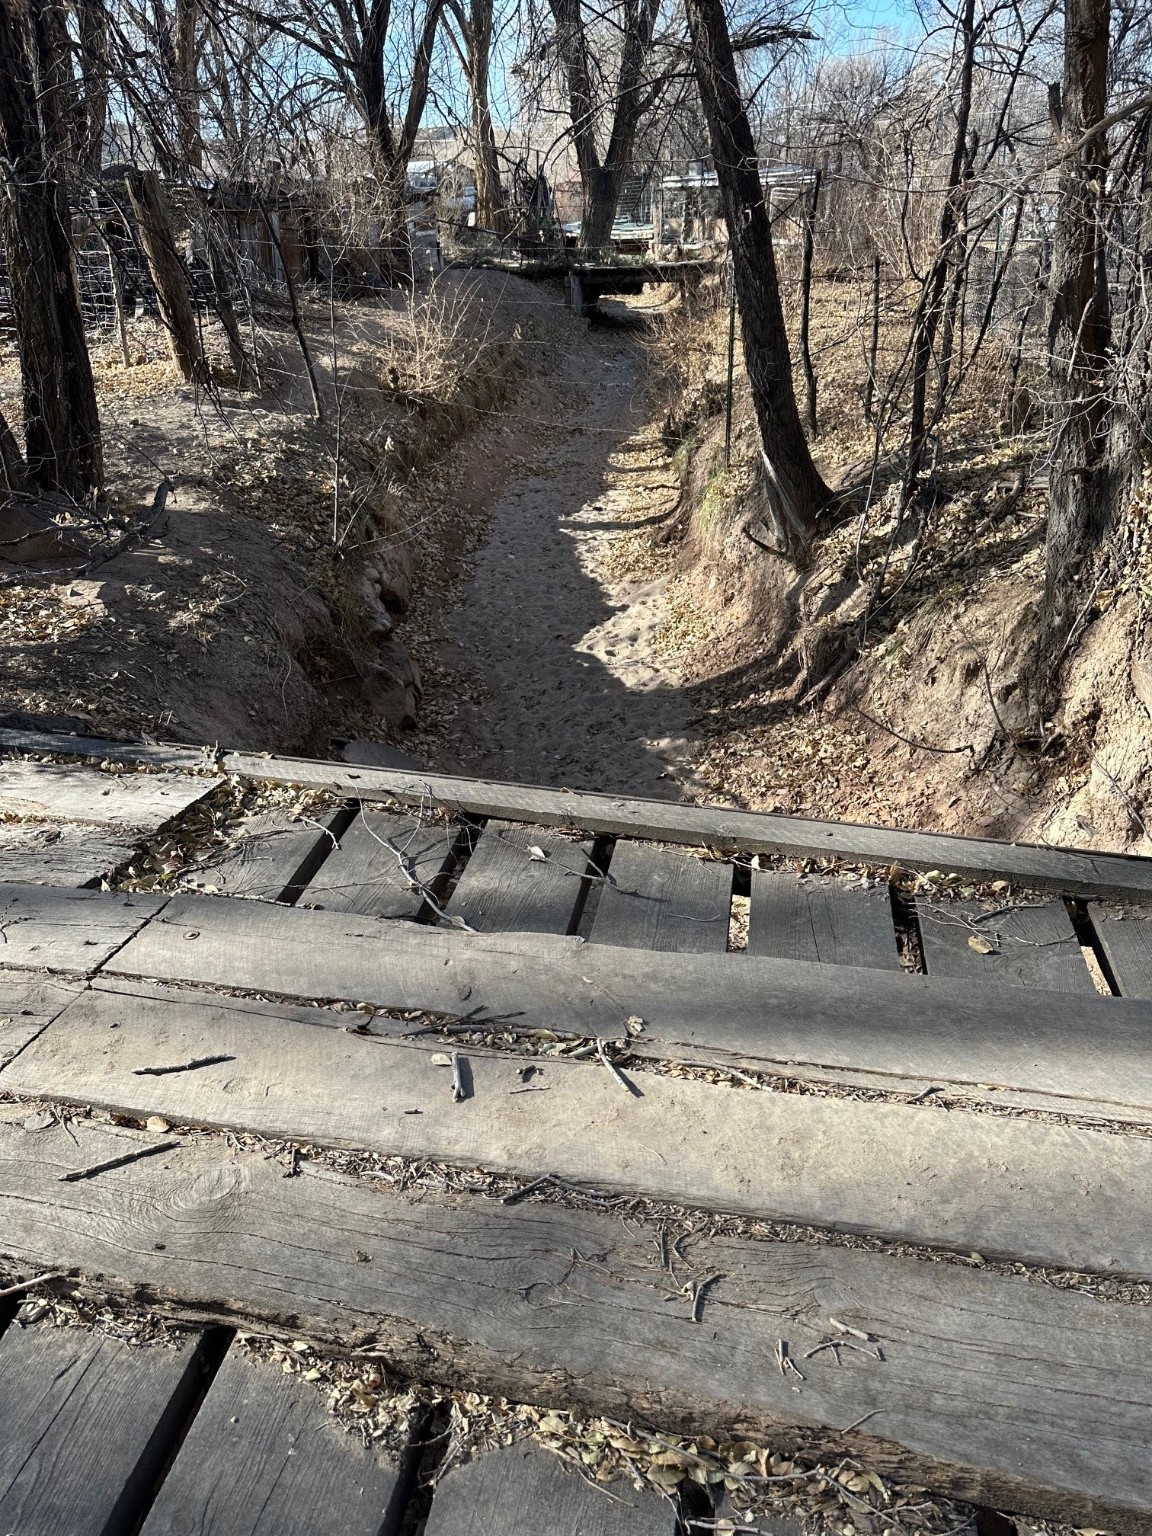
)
(443, 341)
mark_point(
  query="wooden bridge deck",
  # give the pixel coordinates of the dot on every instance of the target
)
(930, 1099)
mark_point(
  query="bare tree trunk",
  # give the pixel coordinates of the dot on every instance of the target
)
(168, 273)
(92, 26)
(796, 492)
(1080, 494)
(491, 212)
(61, 421)
(13, 472)
(873, 343)
(806, 308)
(244, 367)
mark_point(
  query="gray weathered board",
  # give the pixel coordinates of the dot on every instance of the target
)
(816, 917)
(1093, 1052)
(65, 792)
(162, 754)
(264, 1457)
(86, 1425)
(36, 854)
(27, 1004)
(521, 880)
(519, 1490)
(47, 928)
(1076, 871)
(664, 899)
(1030, 944)
(381, 866)
(272, 857)
(1005, 1187)
(1125, 936)
(1002, 1390)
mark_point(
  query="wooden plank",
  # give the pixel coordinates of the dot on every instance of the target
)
(1032, 945)
(273, 858)
(923, 1030)
(506, 889)
(520, 1490)
(657, 898)
(998, 1389)
(372, 868)
(88, 1425)
(821, 918)
(1125, 935)
(160, 754)
(52, 929)
(27, 1005)
(35, 854)
(1076, 871)
(905, 1172)
(60, 792)
(265, 1457)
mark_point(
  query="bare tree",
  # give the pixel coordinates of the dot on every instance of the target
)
(796, 492)
(61, 421)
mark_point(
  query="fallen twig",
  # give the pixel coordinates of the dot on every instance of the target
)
(458, 1091)
(117, 1162)
(602, 1052)
(181, 1066)
(698, 1290)
(26, 1285)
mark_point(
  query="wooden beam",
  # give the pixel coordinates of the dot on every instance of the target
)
(163, 754)
(266, 1458)
(1093, 1054)
(63, 792)
(46, 928)
(38, 854)
(1014, 944)
(821, 917)
(28, 1003)
(1075, 871)
(662, 899)
(1001, 1186)
(995, 1389)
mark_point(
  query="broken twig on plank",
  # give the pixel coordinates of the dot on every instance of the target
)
(698, 1290)
(601, 1051)
(27, 1285)
(117, 1162)
(181, 1066)
(458, 1091)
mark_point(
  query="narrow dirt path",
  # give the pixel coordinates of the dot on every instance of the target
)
(573, 688)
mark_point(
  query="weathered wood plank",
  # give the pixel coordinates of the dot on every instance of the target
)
(46, 928)
(915, 1173)
(506, 888)
(158, 754)
(1125, 935)
(1094, 1052)
(87, 1426)
(1032, 945)
(273, 858)
(520, 1490)
(34, 854)
(60, 792)
(265, 1458)
(378, 857)
(1000, 1390)
(1076, 871)
(27, 1004)
(821, 917)
(658, 898)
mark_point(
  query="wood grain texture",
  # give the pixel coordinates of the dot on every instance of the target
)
(821, 918)
(63, 792)
(27, 1005)
(504, 889)
(1077, 871)
(1004, 1391)
(51, 929)
(158, 754)
(660, 898)
(1005, 1187)
(921, 1030)
(1032, 945)
(88, 1423)
(273, 858)
(524, 1491)
(1125, 935)
(378, 857)
(264, 1457)
(34, 854)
